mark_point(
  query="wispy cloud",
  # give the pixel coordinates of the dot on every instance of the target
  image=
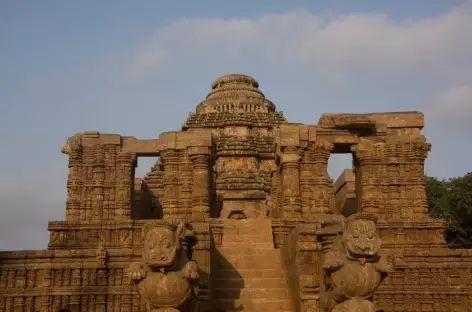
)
(371, 42)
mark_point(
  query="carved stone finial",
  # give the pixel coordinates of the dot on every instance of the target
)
(165, 277)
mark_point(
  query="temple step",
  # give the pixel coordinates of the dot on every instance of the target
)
(251, 275)
(272, 305)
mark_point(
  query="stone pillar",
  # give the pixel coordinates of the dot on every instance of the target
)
(125, 165)
(201, 253)
(405, 183)
(323, 194)
(99, 185)
(185, 183)
(100, 303)
(74, 303)
(390, 181)
(19, 304)
(45, 302)
(73, 148)
(291, 201)
(97, 177)
(417, 181)
(169, 160)
(370, 173)
(126, 302)
(307, 182)
(200, 157)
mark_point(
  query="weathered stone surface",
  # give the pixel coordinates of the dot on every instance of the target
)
(353, 268)
(262, 216)
(164, 276)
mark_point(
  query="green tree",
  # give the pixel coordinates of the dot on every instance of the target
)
(436, 192)
(451, 200)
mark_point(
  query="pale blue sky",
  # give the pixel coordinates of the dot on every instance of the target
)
(138, 67)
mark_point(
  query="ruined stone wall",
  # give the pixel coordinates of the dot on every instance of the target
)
(345, 201)
(78, 275)
(88, 253)
(48, 280)
(389, 153)
(101, 178)
(144, 205)
(305, 189)
(154, 183)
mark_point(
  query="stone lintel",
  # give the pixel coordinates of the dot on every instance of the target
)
(150, 147)
(296, 134)
(337, 136)
(359, 121)
(92, 138)
(198, 150)
(184, 139)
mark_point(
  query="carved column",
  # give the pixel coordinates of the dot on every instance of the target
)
(323, 195)
(100, 303)
(417, 183)
(371, 172)
(390, 180)
(201, 181)
(169, 160)
(307, 182)
(74, 303)
(185, 185)
(73, 148)
(201, 253)
(18, 304)
(405, 184)
(100, 177)
(291, 201)
(126, 302)
(45, 302)
(125, 165)
(97, 179)
(276, 194)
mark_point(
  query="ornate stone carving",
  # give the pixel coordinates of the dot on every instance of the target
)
(201, 185)
(165, 277)
(291, 201)
(73, 144)
(265, 170)
(102, 255)
(353, 268)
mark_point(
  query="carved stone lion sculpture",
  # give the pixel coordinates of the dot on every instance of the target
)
(165, 277)
(353, 269)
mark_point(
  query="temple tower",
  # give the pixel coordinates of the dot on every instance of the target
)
(242, 122)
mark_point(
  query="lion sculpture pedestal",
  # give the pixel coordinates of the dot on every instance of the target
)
(353, 270)
(165, 278)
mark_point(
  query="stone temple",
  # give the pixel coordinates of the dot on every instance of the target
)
(239, 214)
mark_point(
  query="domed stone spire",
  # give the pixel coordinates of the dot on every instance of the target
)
(235, 93)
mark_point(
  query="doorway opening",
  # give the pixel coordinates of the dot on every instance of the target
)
(147, 188)
(341, 169)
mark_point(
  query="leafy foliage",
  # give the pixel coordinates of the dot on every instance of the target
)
(451, 200)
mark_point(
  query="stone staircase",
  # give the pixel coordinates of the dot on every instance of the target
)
(251, 275)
